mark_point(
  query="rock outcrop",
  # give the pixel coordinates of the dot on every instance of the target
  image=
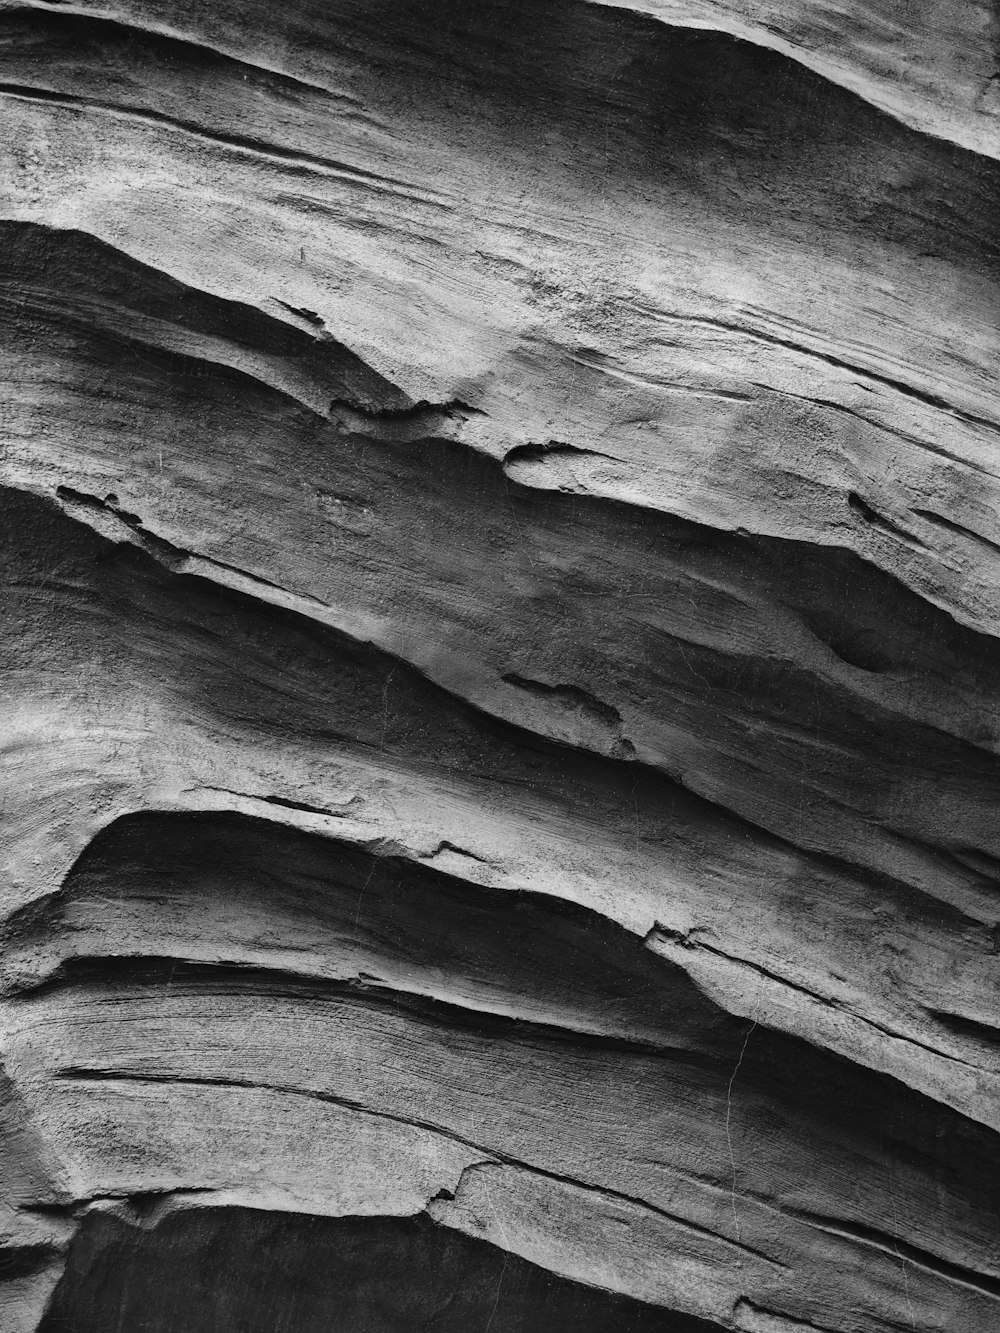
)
(501, 666)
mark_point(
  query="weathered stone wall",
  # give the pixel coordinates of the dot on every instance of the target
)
(501, 680)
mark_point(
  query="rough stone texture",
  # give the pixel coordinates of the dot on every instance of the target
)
(500, 666)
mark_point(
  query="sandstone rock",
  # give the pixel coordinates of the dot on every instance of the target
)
(501, 612)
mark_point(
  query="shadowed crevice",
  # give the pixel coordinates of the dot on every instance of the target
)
(235, 1270)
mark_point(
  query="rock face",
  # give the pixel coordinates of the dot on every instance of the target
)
(501, 666)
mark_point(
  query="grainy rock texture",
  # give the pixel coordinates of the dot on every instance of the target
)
(501, 666)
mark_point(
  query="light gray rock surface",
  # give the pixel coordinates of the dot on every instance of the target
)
(501, 715)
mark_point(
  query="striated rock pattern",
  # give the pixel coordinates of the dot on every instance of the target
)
(501, 666)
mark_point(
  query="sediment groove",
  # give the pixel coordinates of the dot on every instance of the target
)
(304, 161)
(898, 386)
(489, 1156)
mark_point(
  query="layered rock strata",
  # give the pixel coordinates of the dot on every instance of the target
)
(501, 680)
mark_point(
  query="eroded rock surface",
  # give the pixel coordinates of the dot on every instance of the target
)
(501, 718)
